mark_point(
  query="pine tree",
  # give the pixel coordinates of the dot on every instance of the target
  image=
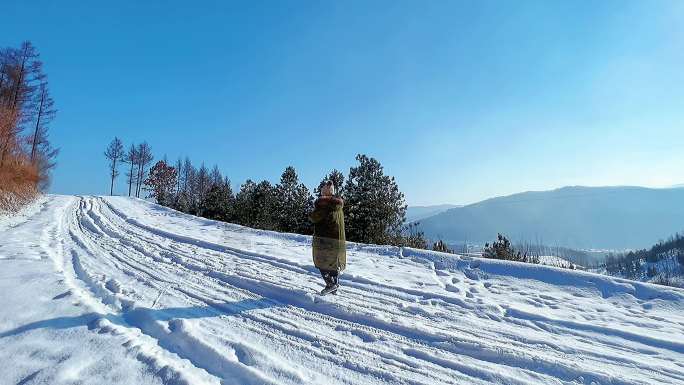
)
(503, 249)
(264, 204)
(219, 202)
(338, 181)
(441, 247)
(375, 209)
(254, 205)
(115, 154)
(245, 213)
(293, 203)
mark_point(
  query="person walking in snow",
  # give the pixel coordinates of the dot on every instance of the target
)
(329, 247)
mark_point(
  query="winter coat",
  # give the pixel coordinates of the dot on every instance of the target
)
(329, 248)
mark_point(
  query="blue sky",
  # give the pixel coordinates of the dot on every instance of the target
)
(459, 100)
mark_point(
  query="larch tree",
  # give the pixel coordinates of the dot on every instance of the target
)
(179, 179)
(131, 158)
(184, 196)
(26, 109)
(21, 74)
(42, 153)
(45, 112)
(188, 171)
(215, 176)
(115, 154)
(201, 188)
(144, 159)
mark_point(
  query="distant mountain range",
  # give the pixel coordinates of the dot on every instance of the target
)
(578, 217)
(416, 213)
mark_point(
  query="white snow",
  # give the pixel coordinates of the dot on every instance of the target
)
(553, 260)
(120, 291)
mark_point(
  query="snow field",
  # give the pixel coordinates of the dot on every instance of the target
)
(177, 299)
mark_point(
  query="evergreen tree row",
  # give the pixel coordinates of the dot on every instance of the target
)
(658, 264)
(374, 208)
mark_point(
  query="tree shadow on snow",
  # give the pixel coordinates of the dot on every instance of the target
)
(134, 316)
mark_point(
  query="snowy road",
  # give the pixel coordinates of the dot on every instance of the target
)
(114, 290)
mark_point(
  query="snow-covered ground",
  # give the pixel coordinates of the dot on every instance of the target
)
(553, 260)
(121, 291)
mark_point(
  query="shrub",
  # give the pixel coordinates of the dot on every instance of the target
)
(18, 185)
(502, 249)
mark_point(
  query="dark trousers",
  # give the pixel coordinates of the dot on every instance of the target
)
(330, 276)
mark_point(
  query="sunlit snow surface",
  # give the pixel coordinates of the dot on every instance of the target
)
(121, 291)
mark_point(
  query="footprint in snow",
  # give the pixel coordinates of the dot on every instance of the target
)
(60, 296)
(244, 355)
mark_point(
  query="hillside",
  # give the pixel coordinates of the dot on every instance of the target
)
(663, 263)
(416, 213)
(121, 291)
(578, 217)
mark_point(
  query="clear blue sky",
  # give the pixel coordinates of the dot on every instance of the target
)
(459, 100)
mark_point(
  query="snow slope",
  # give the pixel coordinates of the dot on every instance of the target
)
(115, 290)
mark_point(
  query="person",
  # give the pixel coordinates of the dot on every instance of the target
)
(329, 246)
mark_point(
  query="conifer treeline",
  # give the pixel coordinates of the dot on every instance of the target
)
(26, 110)
(658, 264)
(374, 207)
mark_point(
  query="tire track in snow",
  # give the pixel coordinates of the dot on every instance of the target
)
(187, 240)
(367, 369)
(176, 337)
(145, 326)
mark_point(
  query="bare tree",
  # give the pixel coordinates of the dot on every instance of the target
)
(21, 73)
(215, 176)
(179, 178)
(45, 112)
(188, 174)
(144, 160)
(25, 106)
(115, 154)
(131, 158)
(42, 153)
(203, 183)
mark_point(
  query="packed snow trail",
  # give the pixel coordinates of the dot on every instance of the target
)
(116, 290)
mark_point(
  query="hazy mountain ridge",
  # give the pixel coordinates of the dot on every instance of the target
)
(416, 213)
(583, 217)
